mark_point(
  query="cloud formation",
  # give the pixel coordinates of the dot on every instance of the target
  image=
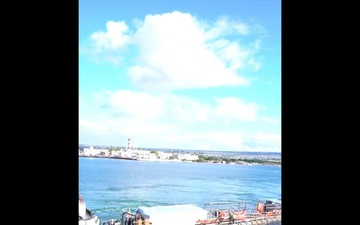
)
(172, 53)
(178, 51)
(113, 39)
(130, 113)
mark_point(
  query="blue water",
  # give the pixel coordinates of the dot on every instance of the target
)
(111, 186)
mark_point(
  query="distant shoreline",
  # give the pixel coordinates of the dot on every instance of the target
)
(266, 163)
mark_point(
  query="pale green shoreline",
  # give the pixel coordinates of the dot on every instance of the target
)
(264, 162)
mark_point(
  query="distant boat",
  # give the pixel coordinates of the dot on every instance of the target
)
(86, 216)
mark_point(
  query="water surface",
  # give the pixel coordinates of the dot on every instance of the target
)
(111, 186)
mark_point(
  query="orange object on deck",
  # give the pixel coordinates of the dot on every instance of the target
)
(222, 215)
(207, 221)
(260, 207)
(139, 221)
(241, 215)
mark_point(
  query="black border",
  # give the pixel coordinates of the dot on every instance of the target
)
(42, 119)
(289, 122)
(305, 147)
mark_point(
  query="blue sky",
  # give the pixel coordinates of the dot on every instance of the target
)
(199, 75)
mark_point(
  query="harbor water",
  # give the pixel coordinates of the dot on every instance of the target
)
(112, 186)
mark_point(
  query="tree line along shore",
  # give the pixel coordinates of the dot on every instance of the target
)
(238, 160)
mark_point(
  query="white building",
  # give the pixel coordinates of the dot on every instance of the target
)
(95, 152)
(164, 155)
(124, 154)
(187, 157)
(141, 154)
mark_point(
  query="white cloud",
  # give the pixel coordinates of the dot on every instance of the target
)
(270, 120)
(225, 27)
(135, 104)
(268, 137)
(177, 108)
(178, 51)
(93, 125)
(232, 108)
(175, 136)
(242, 28)
(171, 120)
(108, 46)
(114, 38)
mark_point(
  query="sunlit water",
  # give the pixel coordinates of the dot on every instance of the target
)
(111, 186)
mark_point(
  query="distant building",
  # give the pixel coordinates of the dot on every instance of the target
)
(95, 152)
(165, 155)
(187, 157)
(123, 154)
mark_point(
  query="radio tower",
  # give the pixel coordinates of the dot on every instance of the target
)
(128, 145)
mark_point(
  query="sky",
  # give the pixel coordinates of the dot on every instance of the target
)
(196, 75)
